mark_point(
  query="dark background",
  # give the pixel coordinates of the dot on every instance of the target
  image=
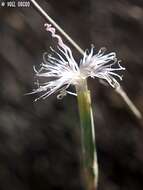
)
(40, 142)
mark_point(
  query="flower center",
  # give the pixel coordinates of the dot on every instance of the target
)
(77, 78)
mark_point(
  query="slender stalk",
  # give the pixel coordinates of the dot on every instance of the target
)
(132, 107)
(120, 91)
(88, 135)
(47, 17)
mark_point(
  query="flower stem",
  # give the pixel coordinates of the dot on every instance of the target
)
(88, 135)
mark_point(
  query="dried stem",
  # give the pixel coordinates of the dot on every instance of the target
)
(120, 90)
(47, 17)
(125, 97)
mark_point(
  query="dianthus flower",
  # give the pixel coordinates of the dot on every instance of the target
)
(61, 70)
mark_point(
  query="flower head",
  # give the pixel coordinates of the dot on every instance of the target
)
(61, 70)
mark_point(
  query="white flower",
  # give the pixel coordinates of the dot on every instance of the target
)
(62, 70)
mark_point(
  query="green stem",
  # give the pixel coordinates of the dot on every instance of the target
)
(87, 135)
